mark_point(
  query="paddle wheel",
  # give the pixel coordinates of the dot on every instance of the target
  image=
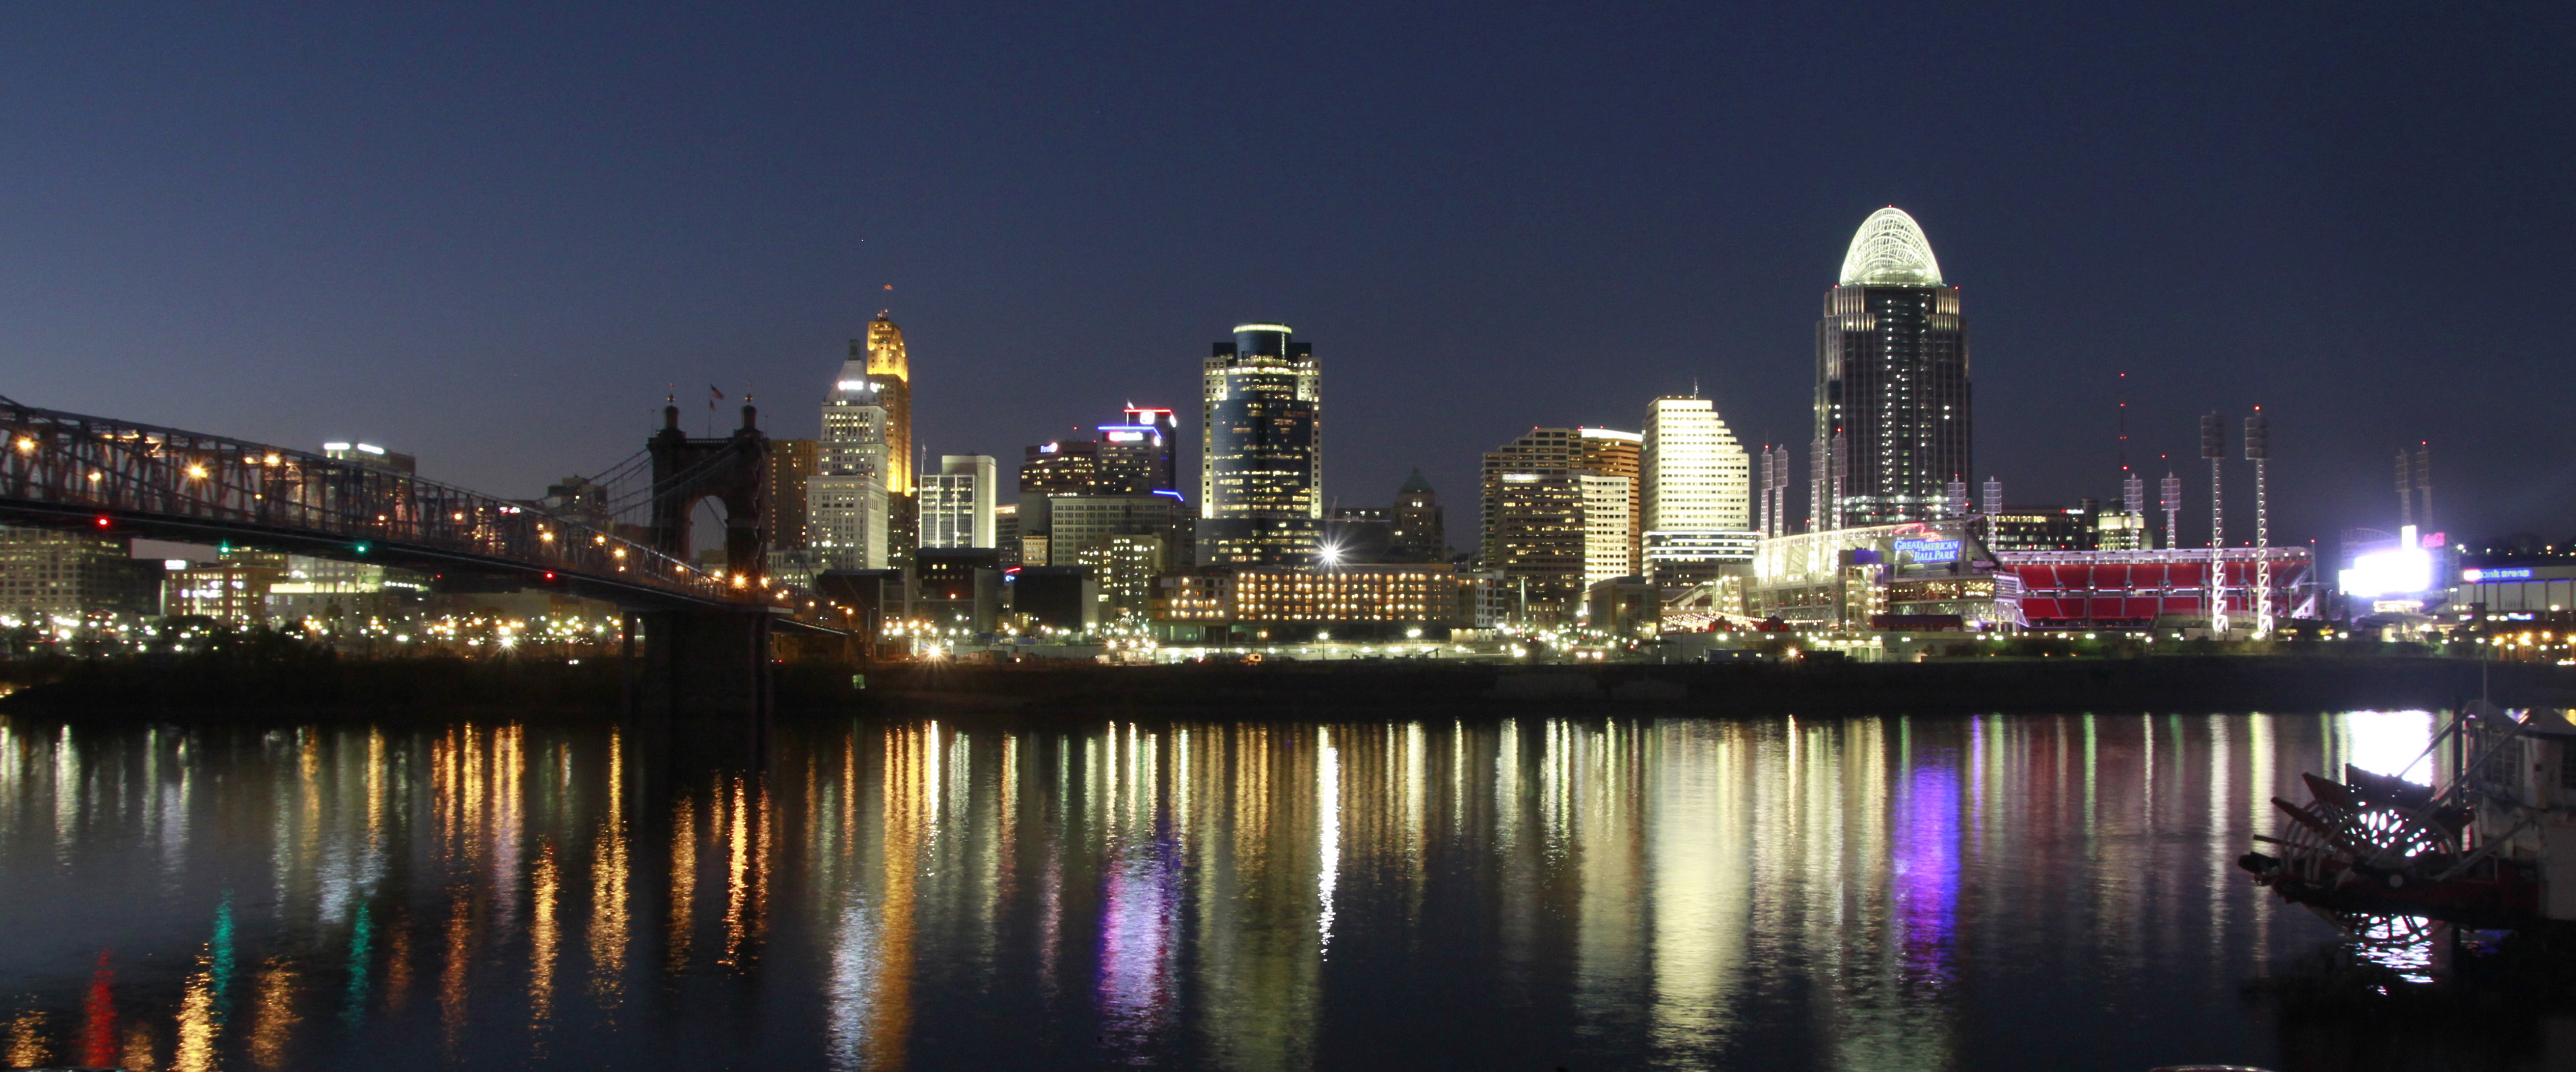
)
(2378, 856)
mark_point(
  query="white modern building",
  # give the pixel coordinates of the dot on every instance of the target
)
(1698, 492)
(1607, 554)
(845, 499)
(957, 508)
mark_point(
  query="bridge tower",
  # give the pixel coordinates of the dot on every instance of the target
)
(702, 686)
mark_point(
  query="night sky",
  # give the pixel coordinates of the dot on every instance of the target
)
(491, 236)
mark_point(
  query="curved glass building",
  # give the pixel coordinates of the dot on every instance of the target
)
(1261, 473)
(1892, 399)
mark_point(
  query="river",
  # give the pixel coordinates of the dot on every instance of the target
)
(2012, 892)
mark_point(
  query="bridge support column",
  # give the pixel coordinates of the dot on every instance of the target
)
(702, 691)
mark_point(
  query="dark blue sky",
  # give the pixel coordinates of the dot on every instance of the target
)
(491, 235)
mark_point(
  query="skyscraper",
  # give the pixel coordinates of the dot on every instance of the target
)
(890, 369)
(846, 513)
(1698, 484)
(1698, 478)
(1892, 400)
(1262, 464)
(790, 462)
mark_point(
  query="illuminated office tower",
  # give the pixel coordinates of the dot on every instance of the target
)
(957, 502)
(1551, 451)
(1697, 485)
(1892, 400)
(846, 511)
(1262, 463)
(1560, 513)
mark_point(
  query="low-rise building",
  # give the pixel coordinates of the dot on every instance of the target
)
(234, 592)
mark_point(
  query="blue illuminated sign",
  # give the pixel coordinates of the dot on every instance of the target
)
(2473, 576)
(1929, 550)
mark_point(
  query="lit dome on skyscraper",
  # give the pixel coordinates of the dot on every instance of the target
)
(1890, 250)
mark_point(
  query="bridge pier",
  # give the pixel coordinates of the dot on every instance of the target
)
(700, 691)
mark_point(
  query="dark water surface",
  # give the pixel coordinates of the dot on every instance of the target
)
(1874, 893)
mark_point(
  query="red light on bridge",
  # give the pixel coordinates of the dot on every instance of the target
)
(102, 522)
(550, 576)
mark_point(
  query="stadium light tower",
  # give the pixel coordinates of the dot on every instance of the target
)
(2258, 449)
(2213, 446)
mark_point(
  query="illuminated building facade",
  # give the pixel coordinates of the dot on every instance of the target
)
(1064, 467)
(847, 514)
(889, 368)
(1560, 511)
(1083, 523)
(1697, 477)
(1607, 525)
(1421, 594)
(338, 595)
(44, 572)
(1262, 464)
(1126, 566)
(957, 502)
(1892, 397)
(232, 592)
(1697, 493)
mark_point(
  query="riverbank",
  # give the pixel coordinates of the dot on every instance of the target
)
(2156, 684)
(324, 688)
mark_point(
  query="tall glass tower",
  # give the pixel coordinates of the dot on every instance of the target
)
(1261, 473)
(1892, 416)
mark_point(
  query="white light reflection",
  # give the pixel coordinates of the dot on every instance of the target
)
(1328, 808)
(2389, 742)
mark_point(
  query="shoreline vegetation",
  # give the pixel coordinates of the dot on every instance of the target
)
(290, 684)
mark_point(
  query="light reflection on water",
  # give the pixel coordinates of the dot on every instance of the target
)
(1875, 893)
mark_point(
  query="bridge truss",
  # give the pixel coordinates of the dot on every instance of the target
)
(70, 470)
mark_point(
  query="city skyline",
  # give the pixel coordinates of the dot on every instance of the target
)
(500, 279)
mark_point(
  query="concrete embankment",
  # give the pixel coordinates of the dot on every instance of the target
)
(1394, 689)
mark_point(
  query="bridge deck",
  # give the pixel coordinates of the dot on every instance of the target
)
(68, 470)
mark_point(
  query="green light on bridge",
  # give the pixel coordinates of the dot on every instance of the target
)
(361, 548)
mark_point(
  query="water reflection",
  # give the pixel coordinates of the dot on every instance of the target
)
(1882, 893)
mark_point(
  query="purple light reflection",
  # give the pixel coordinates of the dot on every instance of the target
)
(1926, 874)
(1139, 927)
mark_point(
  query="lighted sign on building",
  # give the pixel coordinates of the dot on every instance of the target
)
(1929, 551)
(2474, 576)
